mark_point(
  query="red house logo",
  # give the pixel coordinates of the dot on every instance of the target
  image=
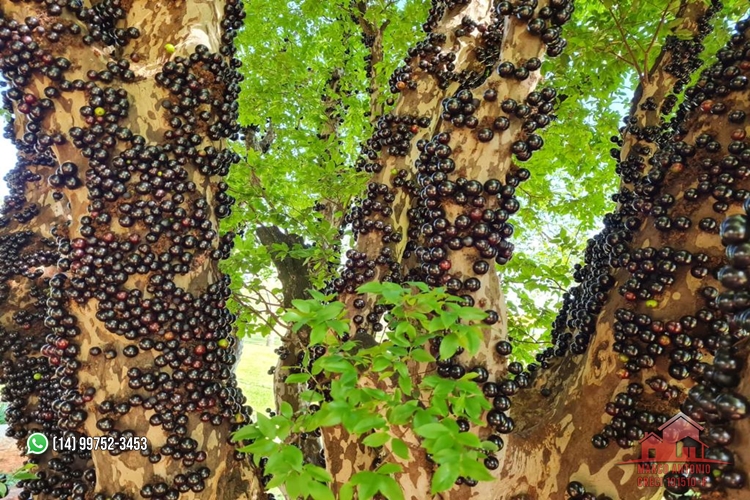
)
(678, 440)
(676, 447)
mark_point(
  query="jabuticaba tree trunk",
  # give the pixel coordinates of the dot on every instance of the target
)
(294, 274)
(138, 99)
(442, 193)
(659, 248)
(670, 316)
(28, 257)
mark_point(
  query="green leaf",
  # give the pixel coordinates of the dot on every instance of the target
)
(246, 432)
(266, 426)
(380, 363)
(391, 489)
(448, 346)
(297, 378)
(422, 356)
(405, 330)
(389, 468)
(303, 306)
(445, 476)
(368, 483)
(469, 439)
(318, 473)
(21, 476)
(335, 364)
(319, 491)
(377, 439)
(474, 339)
(318, 334)
(435, 324)
(368, 423)
(475, 470)
(347, 491)
(317, 295)
(400, 449)
(400, 415)
(371, 287)
(431, 431)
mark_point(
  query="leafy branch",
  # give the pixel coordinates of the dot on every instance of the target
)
(371, 392)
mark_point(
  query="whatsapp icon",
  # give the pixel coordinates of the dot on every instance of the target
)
(37, 443)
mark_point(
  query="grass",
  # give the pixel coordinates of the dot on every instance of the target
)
(253, 377)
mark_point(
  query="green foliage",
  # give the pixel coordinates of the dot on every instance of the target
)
(21, 474)
(417, 317)
(305, 79)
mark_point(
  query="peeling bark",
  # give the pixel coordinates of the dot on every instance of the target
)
(28, 254)
(560, 434)
(140, 103)
(481, 152)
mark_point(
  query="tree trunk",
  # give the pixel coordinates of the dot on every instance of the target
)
(552, 440)
(140, 98)
(656, 336)
(433, 113)
(28, 257)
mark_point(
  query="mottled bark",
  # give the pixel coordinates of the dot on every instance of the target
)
(682, 317)
(28, 257)
(551, 443)
(481, 152)
(140, 102)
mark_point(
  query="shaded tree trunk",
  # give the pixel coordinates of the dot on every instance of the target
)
(137, 100)
(554, 422)
(28, 257)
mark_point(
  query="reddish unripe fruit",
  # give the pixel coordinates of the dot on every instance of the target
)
(674, 327)
(200, 350)
(738, 135)
(445, 265)
(414, 129)
(401, 85)
(707, 105)
(677, 167)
